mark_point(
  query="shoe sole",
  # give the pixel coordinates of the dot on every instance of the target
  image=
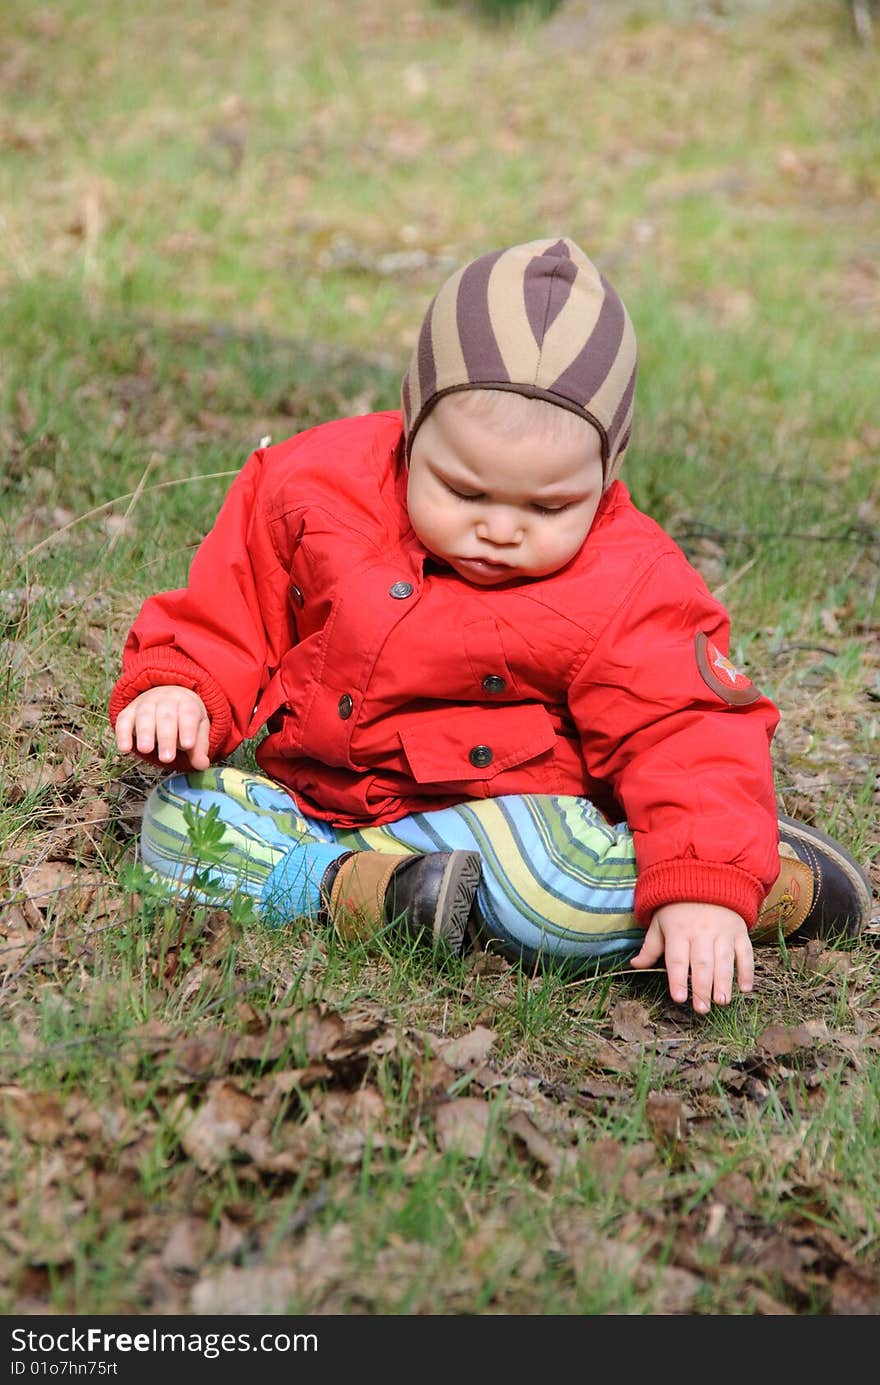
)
(842, 859)
(455, 896)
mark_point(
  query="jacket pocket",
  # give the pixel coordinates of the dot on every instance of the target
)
(467, 744)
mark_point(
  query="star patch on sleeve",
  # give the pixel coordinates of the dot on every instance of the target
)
(722, 676)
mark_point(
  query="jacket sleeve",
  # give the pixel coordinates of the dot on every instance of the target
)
(687, 758)
(224, 633)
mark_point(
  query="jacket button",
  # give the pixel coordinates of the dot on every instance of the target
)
(480, 756)
(345, 706)
(296, 596)
(401, 590)
(494, 683)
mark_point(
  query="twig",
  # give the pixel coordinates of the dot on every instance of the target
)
(856, 533)
(802, 644)
(734, 577)
(117, 500)
(138, 492)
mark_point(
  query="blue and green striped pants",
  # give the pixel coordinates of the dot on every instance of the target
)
(558, 879)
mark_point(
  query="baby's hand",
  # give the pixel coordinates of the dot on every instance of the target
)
(705, 939)
(165, 720)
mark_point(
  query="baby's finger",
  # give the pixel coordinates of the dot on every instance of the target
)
(145, 729)
(199, 754)
(677, 962)
(722, 988)
(745, 964)
(123, 730)
(166, 733)
(702, 975)
(651, 950)
(189, 718)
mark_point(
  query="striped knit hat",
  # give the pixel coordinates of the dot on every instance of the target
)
(538, 319)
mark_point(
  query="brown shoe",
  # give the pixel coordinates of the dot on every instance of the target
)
(427, 896)
(821, 891)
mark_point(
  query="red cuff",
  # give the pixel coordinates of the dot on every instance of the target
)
(698, 882)
(156, 668)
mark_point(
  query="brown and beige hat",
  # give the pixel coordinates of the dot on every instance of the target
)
(538, 319)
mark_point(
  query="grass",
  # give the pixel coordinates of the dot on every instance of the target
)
(233, 233)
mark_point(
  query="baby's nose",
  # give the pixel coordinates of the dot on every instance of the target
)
(500, 524)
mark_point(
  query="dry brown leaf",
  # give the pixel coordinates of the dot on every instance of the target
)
(855, 1292)
(43, 884)
(778, 1255)
(255, 1291)
(51, 1237)
(780, 1039)
(817, 958)
(323, 1257)
(542, 1150)
(18, 937)
(334, 1038)
(217, 1124)
(463, 1125)
(264, 1047)
(434, 1077)
(470, 1049)
(287, 1153)
(39, 1116)
(351, 1120)
(198, 977)
(606, 1057)
(631, 1021)
(252, 1021)
(188, 1245)
(279, 1089)
(674, 1290)
(155, 1037)
(667, 1117)
(364, 1108)
(600, 1090)
(205, 1054)
(766, 1305)
(619, 1167)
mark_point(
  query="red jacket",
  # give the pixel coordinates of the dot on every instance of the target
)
(389, 685)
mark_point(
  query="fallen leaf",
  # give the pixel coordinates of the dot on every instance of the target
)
(470, 1049)
(666, 1117)
(255, 1291)
(619, 1168)
(188, 1245)
(780, 1039)
(631, 1021)
(606, 1057)
(854, 1292)
(205, 1054)
(216, 1125)
(39, 1116)
(324, 1256)
(542, 1150)
(463, 1125)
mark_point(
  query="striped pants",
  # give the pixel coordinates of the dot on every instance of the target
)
(557, 881)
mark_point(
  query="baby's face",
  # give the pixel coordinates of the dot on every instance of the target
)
(498, 509)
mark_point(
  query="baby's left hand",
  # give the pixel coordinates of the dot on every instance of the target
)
(706, 940)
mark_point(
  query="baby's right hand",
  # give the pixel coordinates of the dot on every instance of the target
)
(165, 720)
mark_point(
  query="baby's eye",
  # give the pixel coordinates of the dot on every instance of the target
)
(552, 509)
(464, 495)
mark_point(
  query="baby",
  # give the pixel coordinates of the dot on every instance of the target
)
(498, 697)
